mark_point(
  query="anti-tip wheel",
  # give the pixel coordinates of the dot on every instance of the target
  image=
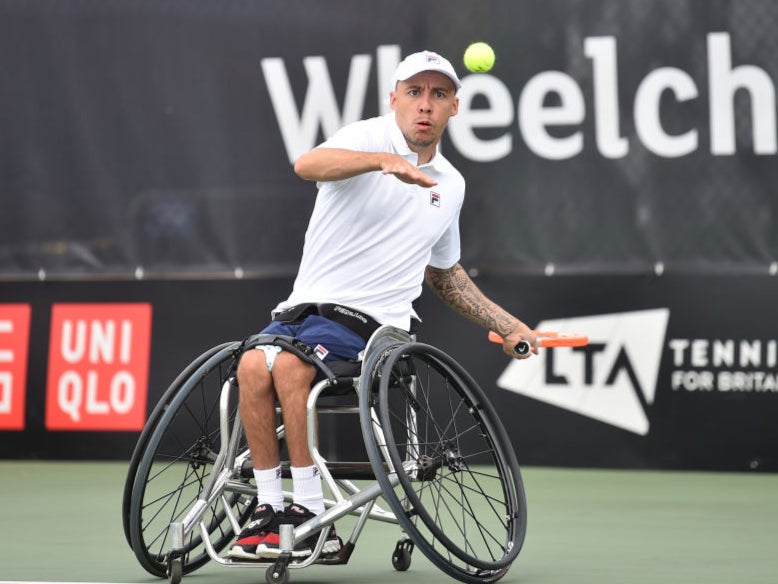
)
(277, 575)
(175, 569)
(401, 559)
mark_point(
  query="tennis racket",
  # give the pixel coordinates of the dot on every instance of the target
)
(546, 339)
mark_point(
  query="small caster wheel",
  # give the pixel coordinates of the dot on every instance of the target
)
(174, 570)
(277, 574)
(401, 557)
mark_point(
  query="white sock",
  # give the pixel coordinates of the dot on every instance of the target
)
(307, 488)
(269, 488)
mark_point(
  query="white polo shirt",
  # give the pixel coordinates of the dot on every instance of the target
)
(370, 237)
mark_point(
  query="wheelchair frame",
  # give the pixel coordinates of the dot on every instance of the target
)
(434, 462)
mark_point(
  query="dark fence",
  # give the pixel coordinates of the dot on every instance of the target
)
(610, 135)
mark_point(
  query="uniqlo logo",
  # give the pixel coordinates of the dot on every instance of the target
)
(98, 366)
(14, 342)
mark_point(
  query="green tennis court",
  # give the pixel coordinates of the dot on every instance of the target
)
(61, 523)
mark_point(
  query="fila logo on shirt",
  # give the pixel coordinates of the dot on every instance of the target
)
(612, 380)
(434, 199)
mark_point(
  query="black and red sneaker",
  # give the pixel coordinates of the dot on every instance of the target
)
(269, 546)
(263, 523)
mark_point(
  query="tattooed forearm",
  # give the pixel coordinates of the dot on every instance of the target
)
(456, 289)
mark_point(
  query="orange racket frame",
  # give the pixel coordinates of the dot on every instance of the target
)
(547, 339)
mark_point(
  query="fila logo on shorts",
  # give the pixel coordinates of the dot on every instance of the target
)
(321, 352)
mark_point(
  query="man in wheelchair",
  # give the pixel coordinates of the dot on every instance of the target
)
(386, 219)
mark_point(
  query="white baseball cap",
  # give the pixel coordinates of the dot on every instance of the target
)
(424, 61)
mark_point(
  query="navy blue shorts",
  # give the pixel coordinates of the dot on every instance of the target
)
(330, 340)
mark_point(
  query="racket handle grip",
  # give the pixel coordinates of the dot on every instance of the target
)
(522, 348)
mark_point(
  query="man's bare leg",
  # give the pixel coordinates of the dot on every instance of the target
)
(257, 409)
(292, 378)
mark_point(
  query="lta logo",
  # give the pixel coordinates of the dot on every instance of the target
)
(612, 380)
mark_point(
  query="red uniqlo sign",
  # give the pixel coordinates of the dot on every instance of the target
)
(98, 366)
(14, 342)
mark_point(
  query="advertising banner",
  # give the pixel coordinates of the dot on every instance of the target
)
(14, 345)
(98, 366)
(681, 372)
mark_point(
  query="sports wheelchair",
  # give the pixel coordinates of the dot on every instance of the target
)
(440, 465)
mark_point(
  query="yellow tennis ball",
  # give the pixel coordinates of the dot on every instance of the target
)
(479, 58)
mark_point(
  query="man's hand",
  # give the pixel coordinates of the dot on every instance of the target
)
(405, 171)
(521, 333)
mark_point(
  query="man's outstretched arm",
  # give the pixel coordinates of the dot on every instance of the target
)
(330, 164)
(456, 289)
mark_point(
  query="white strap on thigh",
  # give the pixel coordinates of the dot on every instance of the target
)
(271, 352)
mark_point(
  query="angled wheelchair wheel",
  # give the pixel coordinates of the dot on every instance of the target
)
(172, 463)
(453, 481)
(151, 425)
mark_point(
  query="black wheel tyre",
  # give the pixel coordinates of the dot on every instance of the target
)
(401, 559)
(151, 425)
(456, 486)
(174, 464)
(175, 570)
(276, 575)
